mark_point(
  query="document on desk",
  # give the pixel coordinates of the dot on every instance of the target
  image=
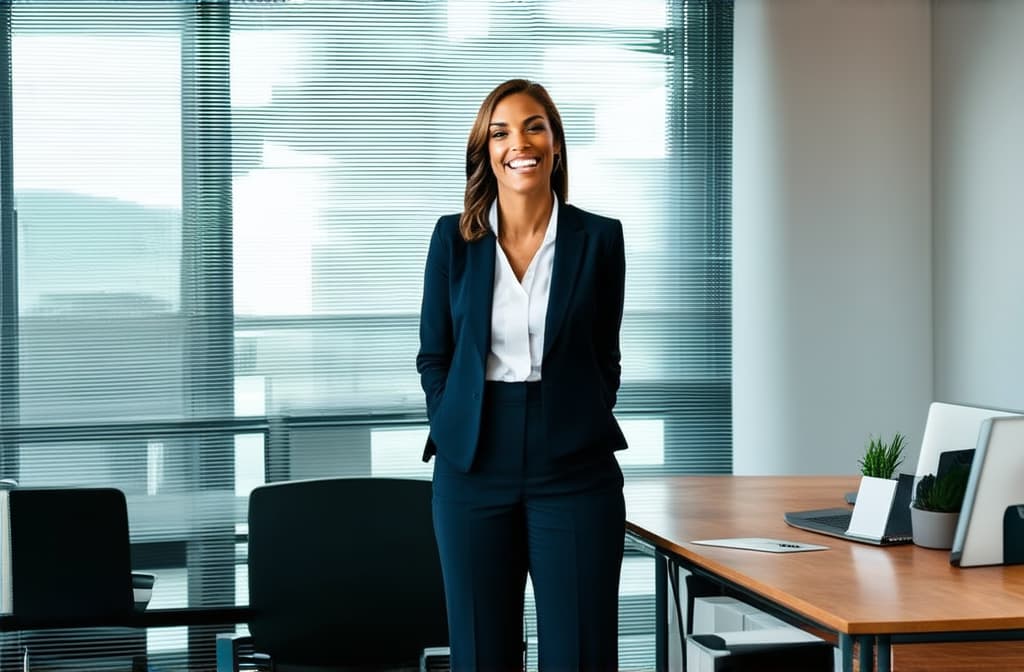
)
(762, 544)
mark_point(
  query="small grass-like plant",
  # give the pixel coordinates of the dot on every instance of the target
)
(880, 458)
(944, 494)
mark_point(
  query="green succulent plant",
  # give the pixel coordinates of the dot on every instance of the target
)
(944, 494)
(880, 458)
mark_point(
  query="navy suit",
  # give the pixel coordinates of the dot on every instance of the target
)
(580, 368)
(524, 475)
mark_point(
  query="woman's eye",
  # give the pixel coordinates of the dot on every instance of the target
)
(538, 127)
(499, 134)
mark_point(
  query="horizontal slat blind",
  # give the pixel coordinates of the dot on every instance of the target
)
(349, 122)
(223, 211)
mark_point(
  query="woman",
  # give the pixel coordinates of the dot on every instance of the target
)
(519, 361)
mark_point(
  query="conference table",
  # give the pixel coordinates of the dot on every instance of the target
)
(863, 594)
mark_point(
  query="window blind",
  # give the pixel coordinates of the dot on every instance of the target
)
(215, 218)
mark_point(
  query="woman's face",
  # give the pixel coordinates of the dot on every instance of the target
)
(522, 145)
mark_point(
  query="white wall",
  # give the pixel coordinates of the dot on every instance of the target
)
(978, 202)
(832, 302)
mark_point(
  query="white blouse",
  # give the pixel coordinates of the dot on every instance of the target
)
(518, 310)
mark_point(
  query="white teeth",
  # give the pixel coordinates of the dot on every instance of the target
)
(522, 163)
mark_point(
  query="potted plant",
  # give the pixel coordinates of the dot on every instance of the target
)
(877, 467)
(880, 458)
(936, 508)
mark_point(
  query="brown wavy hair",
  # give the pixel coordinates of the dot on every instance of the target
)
(481, 184)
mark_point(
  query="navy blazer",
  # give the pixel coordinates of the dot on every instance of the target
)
(580, 369)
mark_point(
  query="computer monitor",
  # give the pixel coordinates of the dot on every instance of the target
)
(996, 482)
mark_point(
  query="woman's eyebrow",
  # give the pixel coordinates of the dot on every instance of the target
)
(535, 117)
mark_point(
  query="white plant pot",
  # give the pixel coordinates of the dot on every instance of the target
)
(933, 529)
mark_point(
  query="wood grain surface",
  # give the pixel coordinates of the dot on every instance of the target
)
(852, 588)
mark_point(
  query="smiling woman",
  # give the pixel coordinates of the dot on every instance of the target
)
(519, 359)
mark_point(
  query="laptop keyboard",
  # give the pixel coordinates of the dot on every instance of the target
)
(840, 521)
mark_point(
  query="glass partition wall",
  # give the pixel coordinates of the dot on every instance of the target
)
(213, 222)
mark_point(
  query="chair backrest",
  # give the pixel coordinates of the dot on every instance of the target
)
(344, 571)
(70, 556)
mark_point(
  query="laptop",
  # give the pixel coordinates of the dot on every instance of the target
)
(948, 427)
(835, 522)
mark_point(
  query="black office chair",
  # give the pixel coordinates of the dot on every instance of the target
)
(343, 575)
(71, 579)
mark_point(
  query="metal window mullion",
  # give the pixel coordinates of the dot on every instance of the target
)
(207, 293)
(207, 306)
(10, 380)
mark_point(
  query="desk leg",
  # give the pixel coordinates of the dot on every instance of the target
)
(884, 649)
(866, 657)
(661, 612)
(846, 652)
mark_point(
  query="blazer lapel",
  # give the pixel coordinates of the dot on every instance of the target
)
(480, 278)
(568, 254)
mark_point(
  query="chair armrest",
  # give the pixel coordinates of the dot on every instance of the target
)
(235, 654)
(229, 647)
(436, 659)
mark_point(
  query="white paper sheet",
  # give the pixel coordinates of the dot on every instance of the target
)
(762, 544)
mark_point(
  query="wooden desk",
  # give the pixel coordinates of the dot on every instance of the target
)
(863, 593)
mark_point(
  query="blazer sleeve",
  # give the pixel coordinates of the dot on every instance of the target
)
(612, 286)
(437, 343)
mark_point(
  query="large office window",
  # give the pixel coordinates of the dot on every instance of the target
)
(215, 217)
